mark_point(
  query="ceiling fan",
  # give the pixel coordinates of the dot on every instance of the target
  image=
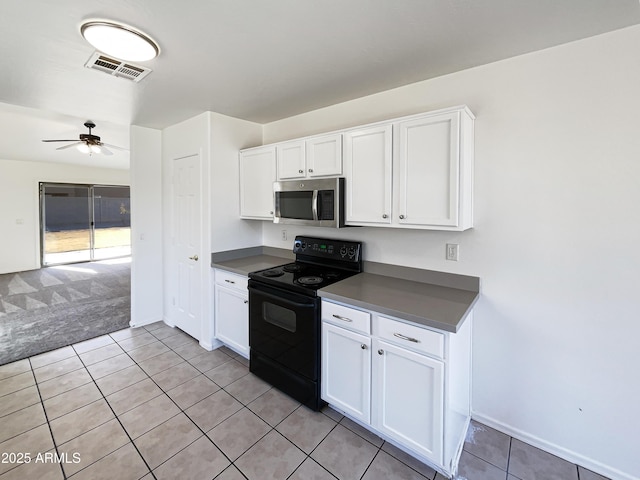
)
(89, 143)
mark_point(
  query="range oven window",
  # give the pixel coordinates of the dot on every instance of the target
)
(279, 316)
(295, 204)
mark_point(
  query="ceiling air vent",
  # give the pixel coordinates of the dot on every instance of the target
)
(117, 68)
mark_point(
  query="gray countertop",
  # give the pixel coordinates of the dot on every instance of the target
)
(253, 263)
(424, 297)
(425, 304)
(246, 260)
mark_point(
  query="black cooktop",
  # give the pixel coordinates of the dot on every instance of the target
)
(298, 276)
(319, 262)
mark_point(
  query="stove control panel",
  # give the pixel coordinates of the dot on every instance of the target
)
(328, 248)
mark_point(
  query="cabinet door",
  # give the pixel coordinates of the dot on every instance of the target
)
(291, 160)
(232, 319)
(257, 174)
(367, 168)
(408, 398)
(427, 190)
(346, 371)
(324, 156)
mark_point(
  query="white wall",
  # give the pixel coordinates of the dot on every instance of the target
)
(228, 231)
(146, 225)
(187, 138)
(556, 239)
(20, 209)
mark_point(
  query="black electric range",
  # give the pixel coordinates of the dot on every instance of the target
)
(284, 314)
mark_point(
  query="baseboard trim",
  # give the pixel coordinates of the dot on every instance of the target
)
(144, 322)
(212, 345)
(554, 449)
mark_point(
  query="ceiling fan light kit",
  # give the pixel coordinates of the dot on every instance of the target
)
(89, 143)
(120, 40)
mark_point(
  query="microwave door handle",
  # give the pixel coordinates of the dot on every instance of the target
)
(314, 205)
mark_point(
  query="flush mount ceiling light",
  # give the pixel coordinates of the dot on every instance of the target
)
(119, 40)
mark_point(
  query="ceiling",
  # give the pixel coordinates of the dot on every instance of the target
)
(265, 60)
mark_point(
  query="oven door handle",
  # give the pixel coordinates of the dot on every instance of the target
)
(314, 204)
(280, 299)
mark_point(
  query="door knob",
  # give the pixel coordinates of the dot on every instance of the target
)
(384, 215)
(401, 217)
(363, 346)
(380, 352)
(195, 258)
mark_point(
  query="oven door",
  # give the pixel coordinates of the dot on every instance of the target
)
(284, 327)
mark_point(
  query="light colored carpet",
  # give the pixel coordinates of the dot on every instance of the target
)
(49, 308)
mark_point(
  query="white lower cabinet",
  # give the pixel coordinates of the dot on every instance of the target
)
(346, 368)
(232, 311)
(408, 389)
(406, 383)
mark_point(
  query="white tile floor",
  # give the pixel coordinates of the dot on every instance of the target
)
(151, 403)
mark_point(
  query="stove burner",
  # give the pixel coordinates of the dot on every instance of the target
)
(310, 280)
(293, 267)
(272, 273)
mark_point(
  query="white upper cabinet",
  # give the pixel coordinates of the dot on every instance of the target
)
(429, 184)
(291, 160)
(428, 171)
(257, 174)
(324, 156)
(314, 157)
(367, 171)
(409, 172)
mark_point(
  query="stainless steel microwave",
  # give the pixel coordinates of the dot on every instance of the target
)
(317, 202)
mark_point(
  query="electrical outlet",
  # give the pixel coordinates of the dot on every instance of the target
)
(452, 252)
(284, 234)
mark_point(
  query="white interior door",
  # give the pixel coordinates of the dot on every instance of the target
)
(187, 235)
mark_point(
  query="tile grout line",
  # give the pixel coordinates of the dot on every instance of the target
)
(509, 456)
(173, 401)
(119, 422)
(46, 417)
(223, 388)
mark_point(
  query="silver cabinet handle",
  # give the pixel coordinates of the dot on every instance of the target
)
(311, 170)
(229, 281)
(401, 217)
(380, 352)
(246, 301)
(409, 339)
(300, 171)
(195, 258)
(270, 213)
(363, 346)
(384, 215)
(344, 319)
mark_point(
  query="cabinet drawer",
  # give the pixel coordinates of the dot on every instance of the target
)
(346, 317)
(231, 280)
(409, 336)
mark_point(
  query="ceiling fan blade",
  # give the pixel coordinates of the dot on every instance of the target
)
(75, 140)
(114, 147)
(105, 151)
(70, 145)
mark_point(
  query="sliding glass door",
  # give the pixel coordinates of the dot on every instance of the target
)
(80, 223)
(112, 222)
